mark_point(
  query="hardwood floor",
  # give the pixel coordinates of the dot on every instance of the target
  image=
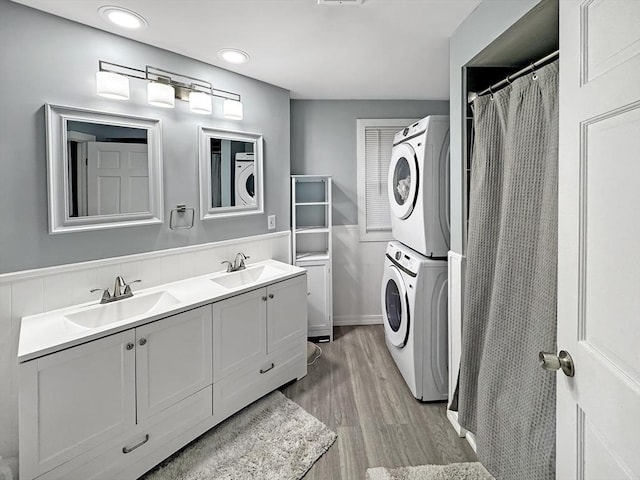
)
(357, 391)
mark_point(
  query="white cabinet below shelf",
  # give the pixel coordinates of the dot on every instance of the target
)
(319, 293)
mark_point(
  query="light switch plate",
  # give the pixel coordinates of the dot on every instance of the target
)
(271, 222)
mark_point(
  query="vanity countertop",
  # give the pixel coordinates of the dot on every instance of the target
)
(56, 330)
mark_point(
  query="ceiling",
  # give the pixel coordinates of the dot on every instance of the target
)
(381, 49)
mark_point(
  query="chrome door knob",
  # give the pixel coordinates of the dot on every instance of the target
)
(562, 361)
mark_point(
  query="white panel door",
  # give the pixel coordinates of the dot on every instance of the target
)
(286, 312)
(117, 178)
(239, 332)
(79, 398)
(598, 414)
(173, 360)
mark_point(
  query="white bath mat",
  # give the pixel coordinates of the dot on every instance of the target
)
(453, 471)
(273, 438)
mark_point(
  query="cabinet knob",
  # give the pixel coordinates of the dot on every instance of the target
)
(130, 346)
(271, 295)
(143, 341)
(264, 299)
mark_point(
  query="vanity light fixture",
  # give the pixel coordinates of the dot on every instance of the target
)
(122, 17)
(164, 87)
(233, 55)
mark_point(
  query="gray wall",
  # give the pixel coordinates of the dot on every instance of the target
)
(489, 20)
(46, 59)
(323, 141)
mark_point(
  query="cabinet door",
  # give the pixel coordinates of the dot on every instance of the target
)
(74, 400)
(286, 312)
(319, 298)
(173, 360)
(239, 332)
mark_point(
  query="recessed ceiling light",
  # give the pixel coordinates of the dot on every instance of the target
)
(233, 55)
(122, 17)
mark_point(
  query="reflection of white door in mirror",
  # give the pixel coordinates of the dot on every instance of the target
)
(117, 178)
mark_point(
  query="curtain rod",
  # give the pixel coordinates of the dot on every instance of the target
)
(509, 78)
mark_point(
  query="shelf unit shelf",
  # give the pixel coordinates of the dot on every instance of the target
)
(311, 239)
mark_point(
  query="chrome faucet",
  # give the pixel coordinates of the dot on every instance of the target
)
(121, 290)
(238, 263)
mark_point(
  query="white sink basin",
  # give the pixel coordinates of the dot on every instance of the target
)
(120, 310)
(247, 276)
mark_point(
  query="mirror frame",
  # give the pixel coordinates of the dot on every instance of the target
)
(57, 117)
(208, 212)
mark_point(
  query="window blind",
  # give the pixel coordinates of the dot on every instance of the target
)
(378, 145)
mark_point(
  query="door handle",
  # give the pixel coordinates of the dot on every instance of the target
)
(271, 295)
(553, 362)
(265, 370)
(129, 450)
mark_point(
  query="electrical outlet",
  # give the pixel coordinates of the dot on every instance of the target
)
(271, 222)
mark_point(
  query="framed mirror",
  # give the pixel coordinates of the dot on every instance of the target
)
(104, 170)
(231, 180)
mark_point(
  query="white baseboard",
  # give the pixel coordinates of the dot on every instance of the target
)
(453, 419)
(348, 320)
(471, 439)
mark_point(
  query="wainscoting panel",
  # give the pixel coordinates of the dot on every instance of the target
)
(357, 273)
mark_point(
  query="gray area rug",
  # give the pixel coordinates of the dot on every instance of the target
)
(453, 471)
(273, 438)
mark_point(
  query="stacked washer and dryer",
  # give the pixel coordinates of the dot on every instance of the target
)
(414, 283)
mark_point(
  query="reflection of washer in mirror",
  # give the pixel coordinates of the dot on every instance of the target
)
(245, 187)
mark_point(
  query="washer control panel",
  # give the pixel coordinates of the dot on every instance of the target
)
(402, 257)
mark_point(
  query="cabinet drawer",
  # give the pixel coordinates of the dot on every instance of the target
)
(153, 437)
(247, 385)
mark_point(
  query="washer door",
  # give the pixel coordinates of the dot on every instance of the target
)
(402, 184)
(246, 187)
(395, 307)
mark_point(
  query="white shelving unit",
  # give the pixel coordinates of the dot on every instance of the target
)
(311, 225)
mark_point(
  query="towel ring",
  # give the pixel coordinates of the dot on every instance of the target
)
(490, 93)
(533, 69)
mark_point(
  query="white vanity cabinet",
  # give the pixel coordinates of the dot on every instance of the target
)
(114, 403)
(102, 396)
(259, 343)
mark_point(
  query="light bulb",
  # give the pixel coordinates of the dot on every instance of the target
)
(112, 85)
(232, 109)
(200, 102)
(161, 95)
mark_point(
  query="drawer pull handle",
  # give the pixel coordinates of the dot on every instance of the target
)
(143, 341)
(129, 450)
(265, 370)
(271, 295)
(130, 346)
(264, 299)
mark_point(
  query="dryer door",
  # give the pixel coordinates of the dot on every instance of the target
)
(245, 191)
(403, 180)
(395, 307)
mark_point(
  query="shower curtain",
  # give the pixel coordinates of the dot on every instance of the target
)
(505, 398)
